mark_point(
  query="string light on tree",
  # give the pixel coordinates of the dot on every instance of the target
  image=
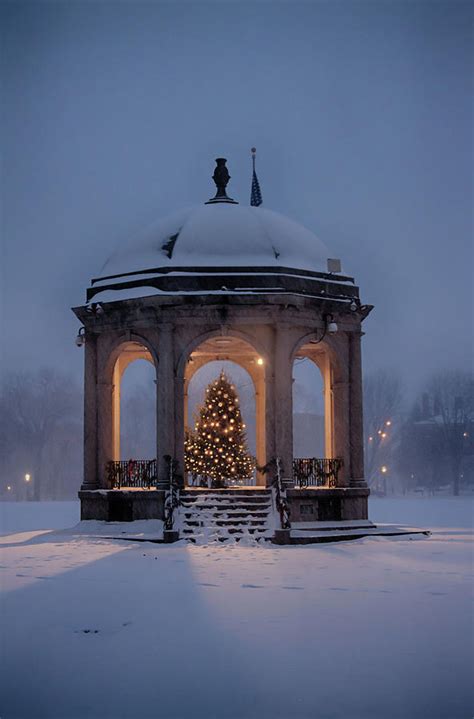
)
(217, 448)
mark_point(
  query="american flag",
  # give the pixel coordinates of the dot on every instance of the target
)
(255, 194)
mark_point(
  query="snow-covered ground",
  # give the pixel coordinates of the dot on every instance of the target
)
(376, 628)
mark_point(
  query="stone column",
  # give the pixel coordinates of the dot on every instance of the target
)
(270, 446)
(260, 425)
(186, 402)
(105, 443)
(165, 401)
(356, 412)
(283, 407)
(117, 379)
(341, 407)
(179, 424)
(341, 433)
(91, 476)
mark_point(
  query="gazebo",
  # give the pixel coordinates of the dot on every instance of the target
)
(224, 281)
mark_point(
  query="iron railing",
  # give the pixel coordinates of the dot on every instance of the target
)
(172, 493)
(281, 500)
(132, 473)
(316, 472)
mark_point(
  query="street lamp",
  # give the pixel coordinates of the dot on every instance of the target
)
(27, 477)
(384, 470)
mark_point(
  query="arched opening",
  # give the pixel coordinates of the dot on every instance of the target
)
(314, 462)
(133, 436)
(246, 368)
(138, 411)
(308, 409)
(245, 391)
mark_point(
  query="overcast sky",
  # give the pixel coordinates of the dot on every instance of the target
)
(113, 113)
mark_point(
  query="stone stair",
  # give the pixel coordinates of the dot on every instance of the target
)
(207, 515)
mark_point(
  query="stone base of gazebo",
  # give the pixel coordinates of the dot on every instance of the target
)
(314, 504)
(323, 504)
(122, 505)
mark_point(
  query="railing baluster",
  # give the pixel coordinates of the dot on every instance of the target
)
(316, 471)
(132, 473)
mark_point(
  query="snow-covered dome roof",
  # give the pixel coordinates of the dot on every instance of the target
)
(221, 247)
(221, 235)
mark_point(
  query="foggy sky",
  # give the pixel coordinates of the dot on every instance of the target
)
(113, 113)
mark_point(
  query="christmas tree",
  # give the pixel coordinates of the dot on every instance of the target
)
(217, 448)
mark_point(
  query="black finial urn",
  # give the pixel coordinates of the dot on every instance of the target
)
(221, 177)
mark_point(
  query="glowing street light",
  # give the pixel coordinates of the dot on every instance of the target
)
(9, 488)
(27, 477)
(383, 435)
(388, 422)
(383, 469)
(371, 439)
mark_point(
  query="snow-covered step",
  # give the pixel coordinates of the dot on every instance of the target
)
(225, 515)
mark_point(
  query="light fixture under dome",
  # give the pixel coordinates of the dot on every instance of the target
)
(81, 337)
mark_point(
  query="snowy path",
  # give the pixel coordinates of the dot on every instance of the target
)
(375, 628)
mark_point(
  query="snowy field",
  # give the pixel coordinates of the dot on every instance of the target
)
(371, 629)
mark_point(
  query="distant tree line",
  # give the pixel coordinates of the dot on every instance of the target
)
(40, 435)
(425, 447)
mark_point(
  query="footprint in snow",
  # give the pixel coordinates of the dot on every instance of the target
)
(338, 589)
(290, 587)
(207, 584)
(252, 586)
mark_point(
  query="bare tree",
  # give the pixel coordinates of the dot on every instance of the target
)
(382, 400)
(451, 397)
(419, 457)
(37, 409)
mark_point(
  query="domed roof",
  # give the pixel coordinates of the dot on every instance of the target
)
(221, 247)
(221, 235)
